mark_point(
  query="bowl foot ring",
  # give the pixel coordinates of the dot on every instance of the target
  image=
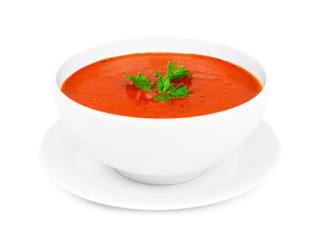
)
(160, 180)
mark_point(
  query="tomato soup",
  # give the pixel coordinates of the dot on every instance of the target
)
(215, 85)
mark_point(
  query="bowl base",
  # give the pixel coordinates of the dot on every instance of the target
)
(160, 180)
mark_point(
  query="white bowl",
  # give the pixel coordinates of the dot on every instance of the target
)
(160, 151)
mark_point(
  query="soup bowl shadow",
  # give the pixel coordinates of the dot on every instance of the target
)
(160, 151)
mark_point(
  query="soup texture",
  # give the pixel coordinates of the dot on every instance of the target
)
(215, 85)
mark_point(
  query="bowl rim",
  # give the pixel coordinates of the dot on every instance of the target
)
(57, 90)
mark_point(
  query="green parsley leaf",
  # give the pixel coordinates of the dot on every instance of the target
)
(179, 91)
(163, 83)
(174, 91)
(162, 98)
(179, 73)
(140, 81)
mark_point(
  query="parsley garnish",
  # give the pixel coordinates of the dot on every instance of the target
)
(174, 91)
(163, 83)
(165, 87)
(140, 81)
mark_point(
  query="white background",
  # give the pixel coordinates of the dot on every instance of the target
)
(38, 35)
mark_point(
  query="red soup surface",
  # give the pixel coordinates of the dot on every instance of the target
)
(215, 85)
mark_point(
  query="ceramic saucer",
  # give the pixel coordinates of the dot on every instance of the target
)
(71, 167)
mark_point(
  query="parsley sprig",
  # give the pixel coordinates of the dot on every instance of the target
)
(164, 83)
(174, 91)
(166, 89)
(140, 81)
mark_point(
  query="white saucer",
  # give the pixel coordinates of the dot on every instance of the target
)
(72, 168)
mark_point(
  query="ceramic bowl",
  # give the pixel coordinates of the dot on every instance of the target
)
(203, 141)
